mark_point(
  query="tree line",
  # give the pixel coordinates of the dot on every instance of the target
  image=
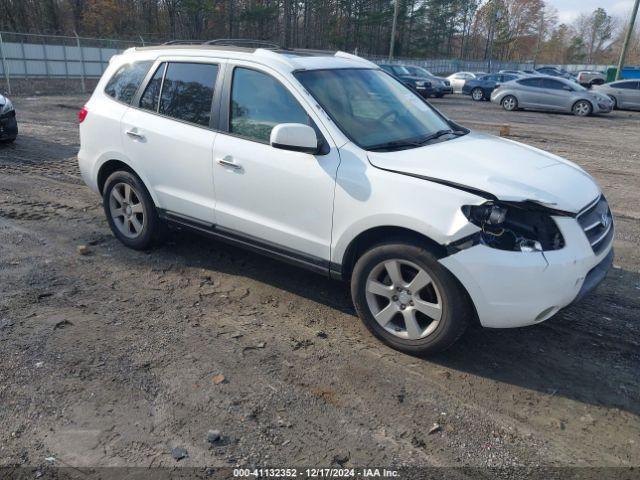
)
(509, 30)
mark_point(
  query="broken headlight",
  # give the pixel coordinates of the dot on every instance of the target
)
(514, 227)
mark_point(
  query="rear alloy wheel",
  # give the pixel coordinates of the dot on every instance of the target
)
(130, 211)
(582, 108)
(477, 94)
(510, 103)
(408, 300)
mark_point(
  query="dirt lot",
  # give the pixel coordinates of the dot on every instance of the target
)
(109, 359)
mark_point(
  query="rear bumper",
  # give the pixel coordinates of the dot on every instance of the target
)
(514, 289)
(8, 127)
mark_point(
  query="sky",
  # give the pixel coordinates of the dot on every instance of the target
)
(568, 10)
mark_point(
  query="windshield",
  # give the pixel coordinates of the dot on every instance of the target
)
(422, 71)
(400, 70)
(371, 107)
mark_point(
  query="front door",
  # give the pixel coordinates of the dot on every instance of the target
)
(281, 198)
(168, 136)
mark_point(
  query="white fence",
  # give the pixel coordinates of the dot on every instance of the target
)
(55, 57)
(49, 56)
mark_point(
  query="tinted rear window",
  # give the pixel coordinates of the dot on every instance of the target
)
(187, 92)
(151, 95)
(531, 82)
(626, 85)
(125, 82)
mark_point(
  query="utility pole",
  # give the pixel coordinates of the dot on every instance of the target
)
(393, 29)
(627, 39)
(540, 35)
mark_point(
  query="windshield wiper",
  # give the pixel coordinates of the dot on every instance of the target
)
(440, 133)
(393, 144)
(414, 142)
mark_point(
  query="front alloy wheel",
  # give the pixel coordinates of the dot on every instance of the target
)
(405, 297)
(582, 108)
(477, 94)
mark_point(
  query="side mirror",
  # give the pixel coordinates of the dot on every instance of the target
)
(296, 137)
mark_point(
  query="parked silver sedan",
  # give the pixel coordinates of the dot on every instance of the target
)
(550, 93)
(624, 93)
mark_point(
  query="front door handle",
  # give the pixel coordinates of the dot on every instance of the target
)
(134, 134)
(227, 162)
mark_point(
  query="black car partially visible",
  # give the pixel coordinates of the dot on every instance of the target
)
(421, 85)
(481, 88)
(441, 86)
(8, 123)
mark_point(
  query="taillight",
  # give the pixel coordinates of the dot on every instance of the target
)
(82, 114)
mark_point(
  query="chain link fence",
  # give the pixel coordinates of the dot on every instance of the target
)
(53, 62)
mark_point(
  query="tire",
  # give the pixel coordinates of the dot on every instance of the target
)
(615, 102)
(133, 219)
(477, 94)
(447, 303)
(6, 141)
(582, 108)
(509, 103)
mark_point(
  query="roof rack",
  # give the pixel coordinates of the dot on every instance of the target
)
(244, 42)
(183, 42)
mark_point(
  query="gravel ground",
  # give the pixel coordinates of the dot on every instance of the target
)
(116, 357)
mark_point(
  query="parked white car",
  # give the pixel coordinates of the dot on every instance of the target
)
(458, 79)
(332, 164)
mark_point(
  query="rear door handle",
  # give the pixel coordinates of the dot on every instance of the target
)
(133, 134)
(227, 162)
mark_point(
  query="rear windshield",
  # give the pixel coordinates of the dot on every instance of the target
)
(125, 82)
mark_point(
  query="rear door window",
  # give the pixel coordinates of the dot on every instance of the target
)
(626, 85)
(125, 82)
(151, 96)
(187, 92)
(552, 84)
(531, 82)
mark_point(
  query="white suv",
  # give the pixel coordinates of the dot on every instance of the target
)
(328, 162)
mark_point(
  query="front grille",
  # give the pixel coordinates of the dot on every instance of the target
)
(597, 222)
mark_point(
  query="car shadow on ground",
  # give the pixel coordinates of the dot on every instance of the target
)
(588, 352)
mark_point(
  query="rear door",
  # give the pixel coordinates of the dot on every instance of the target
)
(628, 94)
(169, 135)
(528, 92)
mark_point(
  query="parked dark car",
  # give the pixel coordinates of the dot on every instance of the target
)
(420, 84)
(441, 86)
(554, 72)
(481, 88)
(8, 123)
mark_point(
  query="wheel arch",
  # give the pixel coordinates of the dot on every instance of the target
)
(376, 235)
(583, 99)
(113, 165)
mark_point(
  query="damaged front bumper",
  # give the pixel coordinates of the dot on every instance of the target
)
(514, 289)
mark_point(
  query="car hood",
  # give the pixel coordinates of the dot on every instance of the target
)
(505, 169)
(413, 78)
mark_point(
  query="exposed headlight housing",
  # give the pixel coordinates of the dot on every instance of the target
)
(420, 83)
(514, 227)
(7, 107)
